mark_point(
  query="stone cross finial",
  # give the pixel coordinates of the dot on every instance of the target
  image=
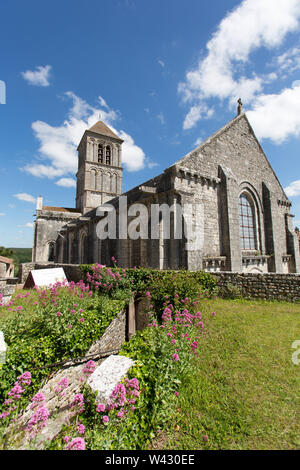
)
(240, 107)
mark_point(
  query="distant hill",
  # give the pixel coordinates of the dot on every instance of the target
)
(21, 255)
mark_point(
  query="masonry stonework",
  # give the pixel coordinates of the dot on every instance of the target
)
(240, 210)
(270, 286)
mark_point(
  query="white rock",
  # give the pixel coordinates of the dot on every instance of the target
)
(106, 376)
(3, 348)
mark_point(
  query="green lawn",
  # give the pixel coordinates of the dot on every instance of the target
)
(246, 391)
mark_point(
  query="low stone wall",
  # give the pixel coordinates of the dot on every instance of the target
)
(271, 286)
(72, 271)
(7, 291)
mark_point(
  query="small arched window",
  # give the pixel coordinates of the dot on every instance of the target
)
(93, 179)
(108, 155)
(100, 153)
(99, 180)
(247, 223)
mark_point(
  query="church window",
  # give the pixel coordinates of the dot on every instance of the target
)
(108, 155)
(100, 153)
(93, 179)
(247, 223)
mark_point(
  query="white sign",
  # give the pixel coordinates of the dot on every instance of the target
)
(45, 277)
(3, 348)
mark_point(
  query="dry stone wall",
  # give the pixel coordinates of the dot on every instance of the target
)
(269, 286)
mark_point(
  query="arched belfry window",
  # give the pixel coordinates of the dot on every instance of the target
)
(247, 223)
(100, 153)
(108, 155)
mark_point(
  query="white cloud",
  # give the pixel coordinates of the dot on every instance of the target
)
(66, 182)
(252, 25)
(133, 156)
(198, 141)
(161, 118)
(289, 61)
(2, 214)
(161, 63)
(27, 225)
(276, 116)
(293, 189)
(25, 197)
(58, 144)
(38, 77)
(195, 114)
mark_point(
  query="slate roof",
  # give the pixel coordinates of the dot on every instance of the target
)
(103, 129)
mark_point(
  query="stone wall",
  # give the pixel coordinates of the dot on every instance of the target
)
(269, 286)
(7, 291)
(72, 271)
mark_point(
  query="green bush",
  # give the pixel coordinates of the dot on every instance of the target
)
(51, 326)
(120, 282)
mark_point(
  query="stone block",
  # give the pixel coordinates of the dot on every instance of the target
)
(106, 376)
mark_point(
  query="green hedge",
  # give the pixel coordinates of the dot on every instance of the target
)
(140, 280)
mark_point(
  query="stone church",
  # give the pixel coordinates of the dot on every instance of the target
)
(245, 223)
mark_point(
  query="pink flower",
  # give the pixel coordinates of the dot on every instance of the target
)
(77, 443)
(120, 414)
(39, 419)
(24, 379)
(205, 438)
(38, 398)
(70, 326)
(105, 419)
(81, 320)
(59, 314)
(81, 428)
(89, 368)
(175, 357)
(100, 408)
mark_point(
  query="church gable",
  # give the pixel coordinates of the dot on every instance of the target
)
(235, 148)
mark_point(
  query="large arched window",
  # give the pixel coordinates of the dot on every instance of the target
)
(247, 223)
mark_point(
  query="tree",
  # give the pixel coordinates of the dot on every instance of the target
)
(7, 252)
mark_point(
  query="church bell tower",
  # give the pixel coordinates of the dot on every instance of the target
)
(99, 176)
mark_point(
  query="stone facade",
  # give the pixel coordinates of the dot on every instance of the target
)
(239, 209)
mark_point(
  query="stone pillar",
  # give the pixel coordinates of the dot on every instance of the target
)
(292, 243)
(273, 242)
(228, 199)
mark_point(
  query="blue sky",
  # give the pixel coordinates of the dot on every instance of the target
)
(164, 74)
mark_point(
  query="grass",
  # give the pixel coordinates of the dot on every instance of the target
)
(245, 393)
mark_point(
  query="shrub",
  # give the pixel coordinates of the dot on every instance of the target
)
(123, 283)
(49, 326)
